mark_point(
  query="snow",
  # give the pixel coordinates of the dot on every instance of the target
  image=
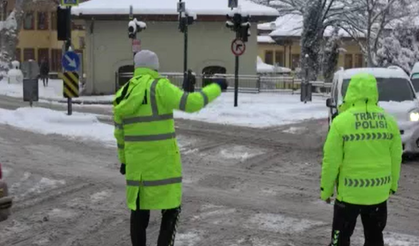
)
(415, 69)
(377, 72)
(9, 23)
(291, 25)
(259, 110)
(46, 121)
(15, 76)
(168, 7)
(266, 68)
(54, 91)
(265, 39)
(238, 152)
(278, 223)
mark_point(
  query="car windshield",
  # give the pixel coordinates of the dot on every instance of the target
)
(389, 89)
(415, 81)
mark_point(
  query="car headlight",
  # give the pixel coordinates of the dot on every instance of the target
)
(414, 115)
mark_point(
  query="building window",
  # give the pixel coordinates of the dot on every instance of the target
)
(348, 61)
(295, 61)
(82, 43)
(56, 55)
(359, 60)
(43, 54)
(53, 21)
(279, 58)
(28, 54)
(269, 57)
(18, 55)
(42, 21)
(29, 21)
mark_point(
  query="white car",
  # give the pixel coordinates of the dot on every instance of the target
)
(396, 96)
(414, 76)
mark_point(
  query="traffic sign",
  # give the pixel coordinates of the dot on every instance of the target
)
(238, 47)
(232, 3)
(70, 61)
(70, 3)
(71, 84)
(136, 45)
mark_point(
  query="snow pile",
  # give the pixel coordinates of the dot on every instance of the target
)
(46, 121)
(259, 110)
(265, 39)
(266, 68)
(168, 7)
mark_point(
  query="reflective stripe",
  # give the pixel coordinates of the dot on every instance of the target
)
(205, 98)
(118, 126)
(153, 101)
(367, 182)
(142, 119)
(133, 183)
(368, 136)
(154, 182)
(121, 146)
(163, 182)
(183, 101)
(147, 138)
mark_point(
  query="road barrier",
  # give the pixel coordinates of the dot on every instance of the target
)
(247, 83)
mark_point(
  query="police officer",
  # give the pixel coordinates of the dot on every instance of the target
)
(147, 147)
(362, 157)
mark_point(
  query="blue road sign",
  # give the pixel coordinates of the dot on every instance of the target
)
(70, 61)
(70, 3)
(232, 3)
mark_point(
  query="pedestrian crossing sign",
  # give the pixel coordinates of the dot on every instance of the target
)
(70, 3)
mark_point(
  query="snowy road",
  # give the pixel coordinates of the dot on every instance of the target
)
(242, 187)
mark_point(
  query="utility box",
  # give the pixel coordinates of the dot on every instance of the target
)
(30, 71)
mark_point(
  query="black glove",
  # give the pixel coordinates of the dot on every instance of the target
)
(392, 192)
(223, 84)
(122, 169)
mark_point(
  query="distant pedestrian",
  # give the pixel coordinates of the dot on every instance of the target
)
(44, 71)
(147, 148)
(362, 158)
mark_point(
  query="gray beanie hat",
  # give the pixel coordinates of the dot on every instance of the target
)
(146, 59)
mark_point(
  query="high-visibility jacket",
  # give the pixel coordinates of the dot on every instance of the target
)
(145, 134)
(363, 150)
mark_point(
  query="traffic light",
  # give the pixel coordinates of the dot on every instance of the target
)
(239, 23)
(64, 23)
(135, 27)
(185, 20)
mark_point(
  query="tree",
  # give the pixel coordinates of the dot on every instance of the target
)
(317, 16)
(366, 21)
(10, 28)
(400, 48)
(331, 55)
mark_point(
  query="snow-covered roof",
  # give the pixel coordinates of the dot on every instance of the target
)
(265, 39)
(377, 72)
(291, 25)
(168, 7)
(266, 68)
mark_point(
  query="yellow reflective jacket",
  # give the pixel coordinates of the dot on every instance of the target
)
(145, 134)
(363, 150)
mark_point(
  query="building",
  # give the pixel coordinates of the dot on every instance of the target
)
(108, 48)
(38, 34)
(279, 43)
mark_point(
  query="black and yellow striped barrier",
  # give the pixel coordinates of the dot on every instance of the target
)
(71, 84)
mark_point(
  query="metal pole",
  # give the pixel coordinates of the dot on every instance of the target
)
(236, 83)
(67, 48)
(185, 52)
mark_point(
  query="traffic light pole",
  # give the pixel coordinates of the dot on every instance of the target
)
(67, 48)
(185, 56)
(236, 78)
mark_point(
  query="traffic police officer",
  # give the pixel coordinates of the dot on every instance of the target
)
(362, 157)
(147, 147)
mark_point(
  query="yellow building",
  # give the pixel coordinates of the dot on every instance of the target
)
(279, 43)
(38, 36)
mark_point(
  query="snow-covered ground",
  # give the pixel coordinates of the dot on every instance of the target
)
(54, 91)
(259, 110)
(46, 121)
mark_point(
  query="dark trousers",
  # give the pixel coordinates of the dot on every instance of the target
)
(139, 223)
(374, 220)
(44, 79)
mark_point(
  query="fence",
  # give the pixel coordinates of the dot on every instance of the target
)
(247, 83)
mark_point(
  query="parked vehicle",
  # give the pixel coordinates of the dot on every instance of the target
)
(414, 76)
(5, 199)
(396, 95)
